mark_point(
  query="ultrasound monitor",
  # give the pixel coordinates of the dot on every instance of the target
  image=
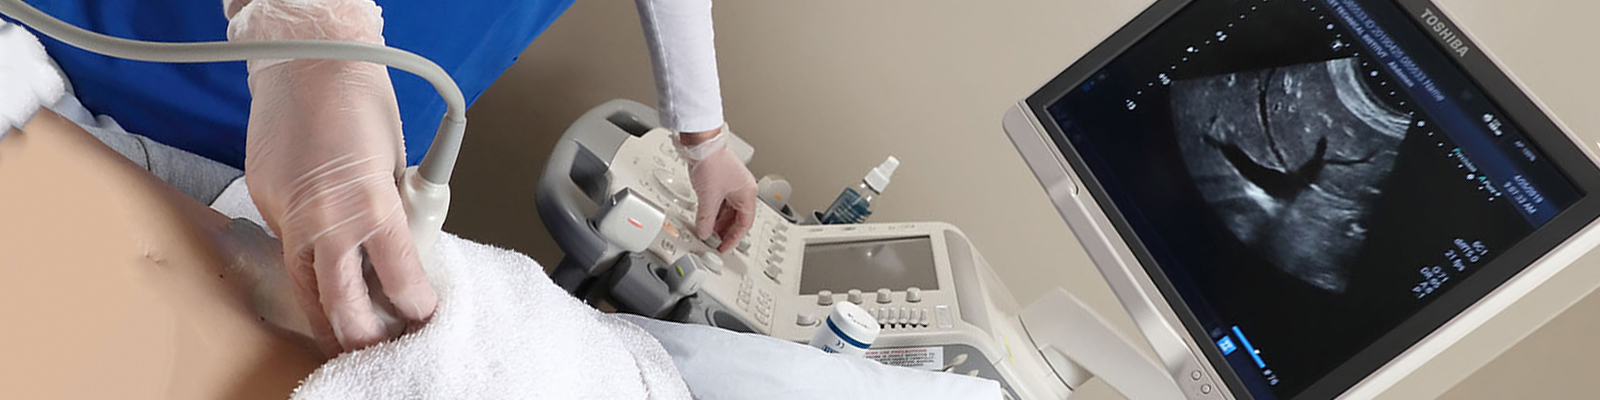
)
(1292, 196)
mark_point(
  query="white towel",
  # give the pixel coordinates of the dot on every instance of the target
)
(28, 80)
(503, 330)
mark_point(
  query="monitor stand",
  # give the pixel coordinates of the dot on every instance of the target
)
(1079, 344)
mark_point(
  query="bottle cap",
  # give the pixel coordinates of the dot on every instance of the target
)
(878, 178)
(848, 330)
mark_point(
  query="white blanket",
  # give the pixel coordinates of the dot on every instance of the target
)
(503, 330)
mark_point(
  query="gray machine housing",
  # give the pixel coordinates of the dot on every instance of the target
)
(572, 191)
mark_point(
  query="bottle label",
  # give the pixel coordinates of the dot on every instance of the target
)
(924, 358)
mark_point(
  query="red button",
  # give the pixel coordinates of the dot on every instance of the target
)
(636, 223)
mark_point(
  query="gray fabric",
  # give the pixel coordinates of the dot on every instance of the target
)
(198, 177)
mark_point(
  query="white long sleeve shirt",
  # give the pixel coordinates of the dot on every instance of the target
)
(683, 50)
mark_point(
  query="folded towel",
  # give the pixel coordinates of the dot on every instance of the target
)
(503, 330)
(28, 80)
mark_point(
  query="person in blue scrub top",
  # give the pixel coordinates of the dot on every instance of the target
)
(321, 142)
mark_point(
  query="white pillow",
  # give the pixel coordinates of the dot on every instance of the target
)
(720, 364)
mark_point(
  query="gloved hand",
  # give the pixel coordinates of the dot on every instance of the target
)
(322, 156)
(724, 187)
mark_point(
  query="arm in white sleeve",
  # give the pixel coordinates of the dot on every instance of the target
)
(28, 81)
(683, 51)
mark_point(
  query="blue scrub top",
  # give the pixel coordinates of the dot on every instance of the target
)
(203, 108)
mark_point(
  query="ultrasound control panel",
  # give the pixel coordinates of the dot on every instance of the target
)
(783, 278)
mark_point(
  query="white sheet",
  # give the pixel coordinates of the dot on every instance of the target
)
(720, 364)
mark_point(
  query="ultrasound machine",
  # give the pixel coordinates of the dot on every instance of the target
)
(617, 199)
(1293, 199)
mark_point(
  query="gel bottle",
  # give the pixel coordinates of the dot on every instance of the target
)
(854, 205)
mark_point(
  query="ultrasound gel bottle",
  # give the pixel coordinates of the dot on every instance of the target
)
(854, 205)
(848, 330)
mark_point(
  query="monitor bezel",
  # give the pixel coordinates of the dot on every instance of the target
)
(1557, 145)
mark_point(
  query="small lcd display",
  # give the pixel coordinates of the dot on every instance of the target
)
(1308, 175)
(894, 264)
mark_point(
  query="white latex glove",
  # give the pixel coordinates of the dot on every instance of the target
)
(322, 156)
(724, 187)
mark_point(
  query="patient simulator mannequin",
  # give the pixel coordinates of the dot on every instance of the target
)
(126, 283)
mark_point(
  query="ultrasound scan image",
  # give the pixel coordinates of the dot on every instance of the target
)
(1290, 159)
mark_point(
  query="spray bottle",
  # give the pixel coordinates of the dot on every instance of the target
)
(854, 205)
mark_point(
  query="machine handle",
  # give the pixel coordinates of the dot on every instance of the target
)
(575, 180)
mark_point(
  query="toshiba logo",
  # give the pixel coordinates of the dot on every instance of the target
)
(1445, 33)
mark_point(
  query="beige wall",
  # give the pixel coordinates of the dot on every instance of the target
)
(850, 82)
